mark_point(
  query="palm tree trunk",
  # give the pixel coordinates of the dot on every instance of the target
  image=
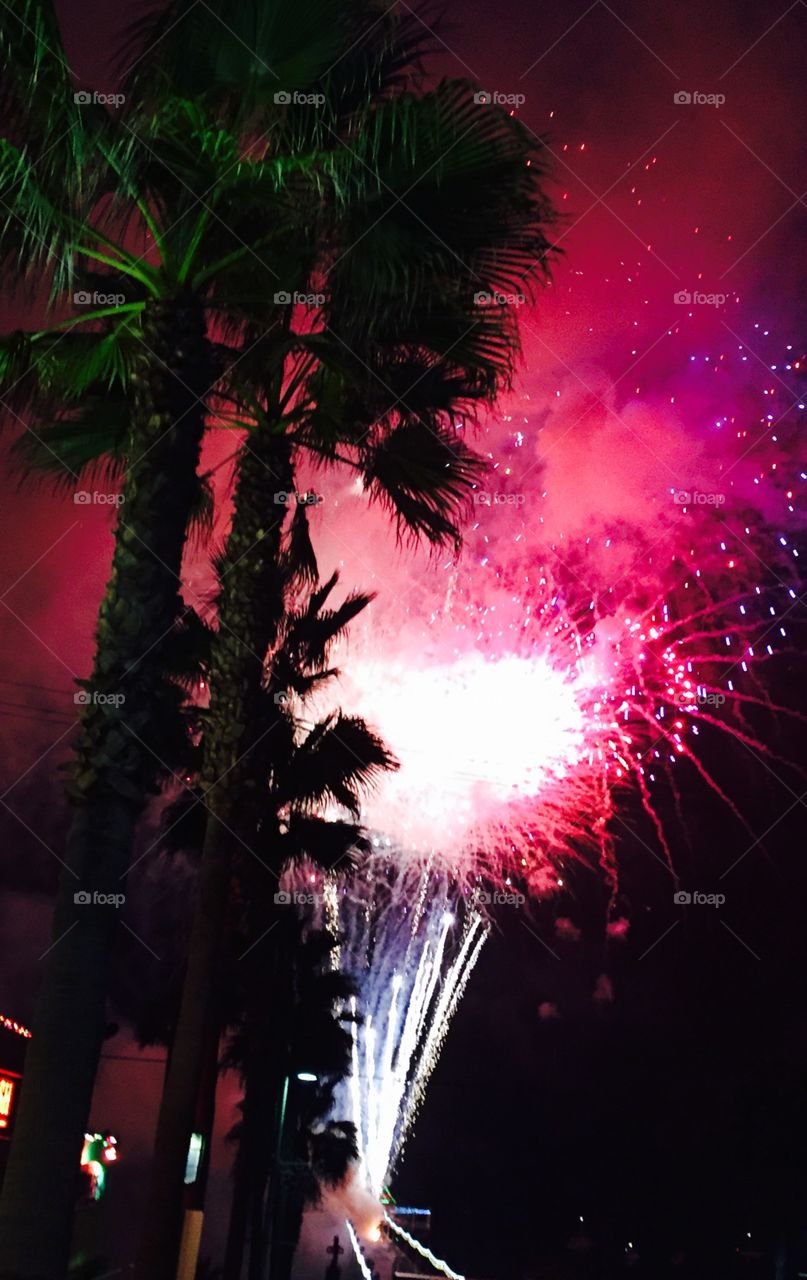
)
(248, 614)
(239, 1217)
(127, 698)
(252, 1165)
(270, 1116)
(264, 1068)
(291, 1221)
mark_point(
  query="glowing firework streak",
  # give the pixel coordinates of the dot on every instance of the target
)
(366, 1273)
(410, 941)
(437, 1263)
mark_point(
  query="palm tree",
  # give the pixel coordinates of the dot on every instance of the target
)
(300, 768)
(287, 1027)
(305, 764)
(444, 206)
(184, 210)
(58, 165)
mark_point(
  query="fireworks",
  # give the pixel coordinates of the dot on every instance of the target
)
(532, 694)
(630, 571)
(481, 740)
(609, 640)
(409, 940)
(519, 743)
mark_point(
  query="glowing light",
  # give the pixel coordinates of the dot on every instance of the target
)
(99, 1150)
(431, 1258)
(195, 1149)
(8, 1088)
(10, 1025)
(472, 734)
(365, 1271)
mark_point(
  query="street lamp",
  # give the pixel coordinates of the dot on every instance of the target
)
(279, 1194)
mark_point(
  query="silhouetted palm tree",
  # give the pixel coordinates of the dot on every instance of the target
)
(159, 211)
(283, 1019)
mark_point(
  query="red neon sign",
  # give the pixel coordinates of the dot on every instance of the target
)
(8, 1098)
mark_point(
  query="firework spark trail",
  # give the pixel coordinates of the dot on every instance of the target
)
(409, 939)
(437, 1263)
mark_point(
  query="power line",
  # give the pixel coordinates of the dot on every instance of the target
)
(131, 1057)
(28, 706)
(31, 711)
(43, 715)
(30, 684)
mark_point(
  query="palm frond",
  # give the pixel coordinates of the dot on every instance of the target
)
(299, 557)
(48, 371)
(238, 58)
(86, 445)
(187, 654)
(333, 1149)
(327, 843)
(40, 112)
(35, 233)
(203, 511)
(53, 166)
(491, 233)
(310, 636)
(424, 475)
(340, 758)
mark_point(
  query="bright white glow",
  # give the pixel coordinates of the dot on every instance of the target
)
(506, 722)
(471, 735)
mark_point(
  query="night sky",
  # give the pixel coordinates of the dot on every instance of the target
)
(653, 1083)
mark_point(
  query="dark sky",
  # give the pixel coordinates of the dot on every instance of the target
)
(673, 1111)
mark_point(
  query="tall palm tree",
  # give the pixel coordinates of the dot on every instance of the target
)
(283, 1029)
(58, 163)
(182, 211)
(334, 760)
(299, 768)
